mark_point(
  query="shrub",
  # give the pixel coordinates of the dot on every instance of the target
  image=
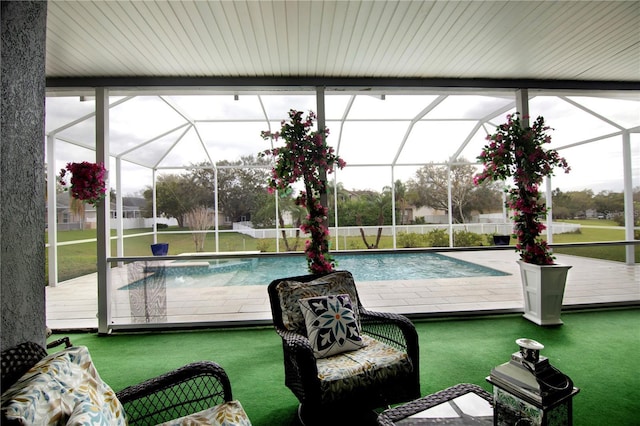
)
(356, 245)
(468, 239)
(263, 244)
(438, 238)
(161, 226)
(411, 240)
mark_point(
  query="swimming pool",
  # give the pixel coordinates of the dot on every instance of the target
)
(263, 270)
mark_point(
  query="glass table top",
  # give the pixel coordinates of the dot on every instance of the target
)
(467, 409)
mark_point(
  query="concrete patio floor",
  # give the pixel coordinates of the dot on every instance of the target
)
(73, 303)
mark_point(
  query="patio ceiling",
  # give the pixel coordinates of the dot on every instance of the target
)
(546, 40)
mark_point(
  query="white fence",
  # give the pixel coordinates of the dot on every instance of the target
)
(135, 223)
(354, 231)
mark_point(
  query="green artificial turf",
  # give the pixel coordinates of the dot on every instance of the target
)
(598, 350)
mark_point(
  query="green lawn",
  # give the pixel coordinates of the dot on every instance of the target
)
(610, 231)
(80, 259)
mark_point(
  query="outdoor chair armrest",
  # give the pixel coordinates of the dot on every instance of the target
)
(189, 389)
(394, 330)
(58, 342)
(301, 371)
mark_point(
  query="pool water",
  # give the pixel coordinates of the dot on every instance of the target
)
(368, 267)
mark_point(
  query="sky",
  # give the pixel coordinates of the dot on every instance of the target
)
(172, 131)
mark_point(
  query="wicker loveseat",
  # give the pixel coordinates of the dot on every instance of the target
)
(381, 369)
(65, 388)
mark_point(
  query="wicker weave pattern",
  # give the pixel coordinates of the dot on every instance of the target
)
(301, 373)
(18, 360)
(189, 389)
(392, 415)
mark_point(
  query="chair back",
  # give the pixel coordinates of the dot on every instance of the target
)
(17, 360)
(284, 294)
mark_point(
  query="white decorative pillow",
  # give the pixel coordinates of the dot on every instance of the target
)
(331, 323)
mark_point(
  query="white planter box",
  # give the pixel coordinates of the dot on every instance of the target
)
(543, 290)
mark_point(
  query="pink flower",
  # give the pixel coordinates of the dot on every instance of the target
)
(87, 181)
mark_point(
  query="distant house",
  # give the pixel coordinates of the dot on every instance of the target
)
(131, 207)
(405, 214)
(429, 214)
(69, 220)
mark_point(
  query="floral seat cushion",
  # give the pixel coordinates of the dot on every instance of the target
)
(371, 365)
(63, 388)
(228, 414)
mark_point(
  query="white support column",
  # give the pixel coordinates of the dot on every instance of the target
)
(216, 206)
(103, 232)
(335, 210)
(393, 206)
(276, 194)
(522, 106)
(154, 206)
(449, 205)
(322, 118)
(321, 114)
(628, 197)
(505, 211)
(52, 211)
(119, 210)
(549, 202)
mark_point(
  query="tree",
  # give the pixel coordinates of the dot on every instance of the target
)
(241, 185)
(78, 210)
(400, 190)
(572, 203)
(342, 196)
(263, 217)
(175, 196)
(609, 202)
(198, 220)
(363, 209)
(430, 188)
(379, 203)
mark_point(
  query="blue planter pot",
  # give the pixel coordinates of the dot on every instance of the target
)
(160, 249)
(501, 240)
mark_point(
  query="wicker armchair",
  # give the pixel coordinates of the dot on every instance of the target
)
(190, 389)
(18, 360)
(178, 393)
(374, 388)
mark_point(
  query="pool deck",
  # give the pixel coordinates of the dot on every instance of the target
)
(72, 305)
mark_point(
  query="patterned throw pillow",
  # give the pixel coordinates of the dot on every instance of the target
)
(290, 292)
(64, 385)
(332, 327)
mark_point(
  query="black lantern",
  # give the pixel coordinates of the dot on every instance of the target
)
(528, 391)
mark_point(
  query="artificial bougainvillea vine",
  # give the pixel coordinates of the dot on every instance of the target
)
(304, 156)
(518, 152)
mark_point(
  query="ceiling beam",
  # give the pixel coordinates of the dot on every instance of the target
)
(334, 83)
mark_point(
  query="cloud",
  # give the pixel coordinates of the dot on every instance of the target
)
(175, 131)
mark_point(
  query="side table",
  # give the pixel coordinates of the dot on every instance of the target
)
(463, 404)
